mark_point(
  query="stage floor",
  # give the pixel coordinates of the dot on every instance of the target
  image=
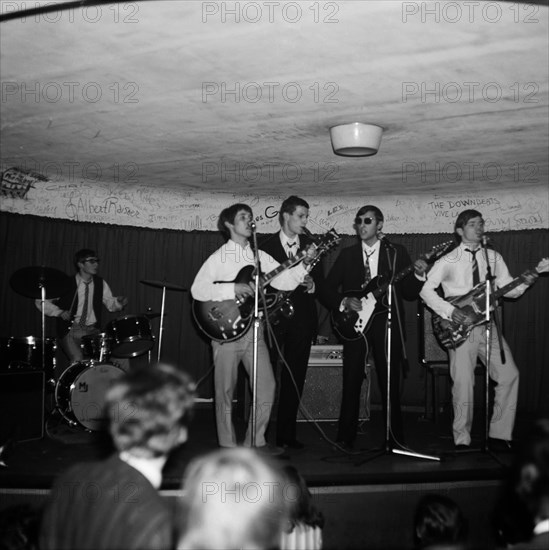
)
(35, 463)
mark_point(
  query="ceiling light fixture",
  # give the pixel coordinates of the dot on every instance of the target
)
(356, 139)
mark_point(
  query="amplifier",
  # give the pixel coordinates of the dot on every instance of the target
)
(322, 392)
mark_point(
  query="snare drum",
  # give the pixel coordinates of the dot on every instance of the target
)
(97, 346)
(132, 336)
(80, 393)
(25, 353)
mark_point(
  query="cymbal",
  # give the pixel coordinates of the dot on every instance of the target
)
(28, 281)
(163, 284)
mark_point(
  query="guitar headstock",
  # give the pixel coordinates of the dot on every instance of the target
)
(543, 265)
(439, 250)
(323, 244)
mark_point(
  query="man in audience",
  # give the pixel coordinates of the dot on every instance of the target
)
(114, 504)
(232, 498)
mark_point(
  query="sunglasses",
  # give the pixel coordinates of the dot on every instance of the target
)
(366, 220)
(92, 260)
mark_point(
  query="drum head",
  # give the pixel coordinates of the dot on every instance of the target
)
(80, 393)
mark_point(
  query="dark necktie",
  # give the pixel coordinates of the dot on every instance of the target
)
(367, 272)
(84, 316)
(476, 278)
(291, 253)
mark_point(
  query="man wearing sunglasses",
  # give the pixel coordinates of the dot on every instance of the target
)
(354, 268)
(78, 313)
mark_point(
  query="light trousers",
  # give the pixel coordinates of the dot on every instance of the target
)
(463, 361)
(227, 357)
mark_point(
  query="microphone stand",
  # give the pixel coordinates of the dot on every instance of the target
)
(489, 292)
(388, 448)
(255, 336)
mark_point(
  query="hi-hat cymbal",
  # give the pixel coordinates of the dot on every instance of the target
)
(163, 284)
(29, 281)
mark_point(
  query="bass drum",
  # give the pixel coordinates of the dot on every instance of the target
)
(80, 393)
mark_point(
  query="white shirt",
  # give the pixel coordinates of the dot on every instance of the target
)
(285, 240)
(215, 279)
(110, 302)
(455, 274)
(151, 468)
(370, 254)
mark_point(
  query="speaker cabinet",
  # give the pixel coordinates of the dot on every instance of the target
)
(323, 384)
(431, 351)
(21, 405)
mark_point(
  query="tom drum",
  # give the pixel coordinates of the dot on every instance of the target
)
(131, 335)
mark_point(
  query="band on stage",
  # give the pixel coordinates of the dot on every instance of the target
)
(258, 298)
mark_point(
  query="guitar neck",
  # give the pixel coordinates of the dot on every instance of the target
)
(513, 284)
(398, 277)
(268, 277)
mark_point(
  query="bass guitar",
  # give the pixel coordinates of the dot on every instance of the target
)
(351, 325)
(228, 320)
(451, 333)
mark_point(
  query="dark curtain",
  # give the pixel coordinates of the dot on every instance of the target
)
(130, 255)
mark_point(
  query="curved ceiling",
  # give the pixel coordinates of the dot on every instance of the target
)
(239, 97)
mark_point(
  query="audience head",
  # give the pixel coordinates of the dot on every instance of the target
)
(19, 526)
(438, 520)
(149, 410)
(232, 498)
(299, 500)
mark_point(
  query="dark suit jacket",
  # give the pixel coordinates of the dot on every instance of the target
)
(304, 303)
(105, 505)
(347, 274)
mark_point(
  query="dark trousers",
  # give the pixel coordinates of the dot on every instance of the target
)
(295, 344)
(354, 358)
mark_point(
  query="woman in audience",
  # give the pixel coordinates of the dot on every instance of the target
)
(305, 522)
(232, 498)
(439, 524)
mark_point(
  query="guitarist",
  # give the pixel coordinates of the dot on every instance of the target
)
(213, 282)
(457, 273)
(353, 269)
(294, 335)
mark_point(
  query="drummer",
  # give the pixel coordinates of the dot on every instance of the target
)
(78, 312)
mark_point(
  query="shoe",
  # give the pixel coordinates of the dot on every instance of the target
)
(270, 450)
(500, 445)
(462, 447)
(290, 444)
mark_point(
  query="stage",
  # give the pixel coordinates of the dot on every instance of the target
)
(368, 499)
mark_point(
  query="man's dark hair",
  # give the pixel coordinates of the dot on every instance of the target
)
(228, 215)
(463, 218)
(370, 208)
(82, 254)
(289, 205)
(438, 520)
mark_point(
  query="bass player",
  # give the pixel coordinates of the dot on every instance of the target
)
(457, 273)
(215, 281)
(356, 267)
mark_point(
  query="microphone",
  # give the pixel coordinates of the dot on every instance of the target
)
(382, 237)
(485, 241)
(252, 226)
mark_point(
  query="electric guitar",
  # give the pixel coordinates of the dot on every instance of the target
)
(228, 320)
(451, 333)
(351, 325)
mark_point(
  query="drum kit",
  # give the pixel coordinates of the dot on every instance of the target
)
(81, 388)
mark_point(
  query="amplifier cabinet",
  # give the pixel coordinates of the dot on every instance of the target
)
(322, 392)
